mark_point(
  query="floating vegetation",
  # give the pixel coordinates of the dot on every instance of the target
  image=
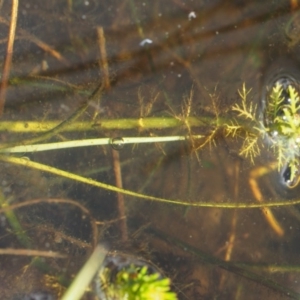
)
(280, 127)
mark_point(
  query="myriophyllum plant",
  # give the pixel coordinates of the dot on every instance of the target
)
(135, 283)
(280, 126)
(282, 114)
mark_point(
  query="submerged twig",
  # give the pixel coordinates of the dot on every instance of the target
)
(57, 201)
(121, 201)
(47, 48)
(9, 53)
(103, 61)
(28, 252)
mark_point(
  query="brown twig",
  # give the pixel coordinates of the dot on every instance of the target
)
(44, 46)
(110, 222)
(27, 252)
(9, 53)
(103, 57)
(103, 64)
(294, 5)
(59, 236)
(58, 201)
(120, 197)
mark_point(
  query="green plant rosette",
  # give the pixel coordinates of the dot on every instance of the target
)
(282, 124)
(125, 277)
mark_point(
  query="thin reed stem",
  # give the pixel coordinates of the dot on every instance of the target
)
(96, 142)
(28, 252)
(9, 53)
(89, 181)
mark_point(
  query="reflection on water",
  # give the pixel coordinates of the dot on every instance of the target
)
(162, 62)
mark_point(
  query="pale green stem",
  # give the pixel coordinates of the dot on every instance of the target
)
(86, 274)
(118, 142)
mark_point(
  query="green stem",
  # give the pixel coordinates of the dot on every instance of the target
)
(86, 274)
(14, 223)
(89, 181)
(115, 124)
(60, 127)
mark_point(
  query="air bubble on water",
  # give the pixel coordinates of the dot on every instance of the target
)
(192, 15)
(145, 42)
(117, 143)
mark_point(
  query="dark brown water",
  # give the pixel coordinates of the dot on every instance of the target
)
(157, 53)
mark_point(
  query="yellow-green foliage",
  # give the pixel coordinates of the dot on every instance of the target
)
(246, 111)
(135, 283)
(284, 126)
(281, 125)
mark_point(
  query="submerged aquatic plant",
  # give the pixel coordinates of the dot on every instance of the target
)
(134, 283)
(120, 277)
(280, 125)
(246, 111)
(282, 121)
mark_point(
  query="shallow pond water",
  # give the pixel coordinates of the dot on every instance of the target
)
(167, 68)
